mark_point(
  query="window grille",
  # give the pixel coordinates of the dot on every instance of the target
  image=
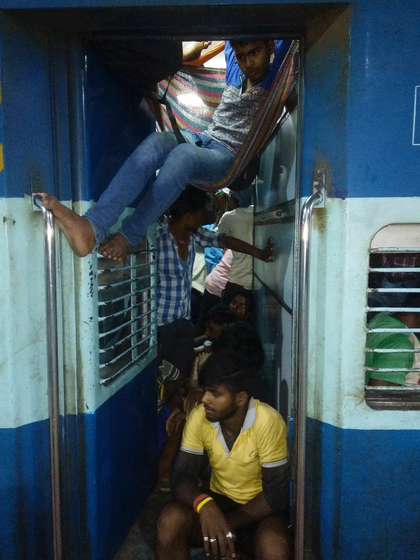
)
(392, 365)
(126, 310)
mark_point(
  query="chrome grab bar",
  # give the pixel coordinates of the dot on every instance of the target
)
(316, 199)
(53, 382)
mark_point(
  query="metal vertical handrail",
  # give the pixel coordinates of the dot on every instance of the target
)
(53, 382)
(302, 350)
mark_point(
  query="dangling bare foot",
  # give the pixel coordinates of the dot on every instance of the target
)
(77, 230)
(114, 247)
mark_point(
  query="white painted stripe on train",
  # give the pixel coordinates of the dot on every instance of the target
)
(23, 354)
(341, 238)
(337, 339)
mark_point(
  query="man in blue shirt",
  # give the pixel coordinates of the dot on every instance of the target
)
(176, 246)
(203, 158)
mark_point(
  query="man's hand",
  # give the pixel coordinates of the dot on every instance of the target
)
(218, 536)
(193, 399)
(222, 198)
(267, 252)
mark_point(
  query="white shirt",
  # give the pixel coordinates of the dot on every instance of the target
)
(239, 223)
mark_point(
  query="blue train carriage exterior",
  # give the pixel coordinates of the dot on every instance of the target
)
(360, 123)
(61, 112)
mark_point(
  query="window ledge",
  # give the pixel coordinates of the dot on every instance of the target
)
(393, 398)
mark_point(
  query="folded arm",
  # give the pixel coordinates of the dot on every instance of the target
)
(274, 498)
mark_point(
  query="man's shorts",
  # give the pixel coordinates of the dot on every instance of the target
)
(244, 534)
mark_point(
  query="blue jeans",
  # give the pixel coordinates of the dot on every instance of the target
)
(179, 164)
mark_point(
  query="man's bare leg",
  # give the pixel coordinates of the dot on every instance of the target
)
(272, 539)
(77, 230)
(173, 528)
(114, 247)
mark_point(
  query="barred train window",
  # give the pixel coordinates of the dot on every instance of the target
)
(126, 310)
(392, 364)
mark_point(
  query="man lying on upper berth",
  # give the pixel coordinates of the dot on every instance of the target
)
(204, 158)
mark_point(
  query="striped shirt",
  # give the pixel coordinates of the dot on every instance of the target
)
(175, 274)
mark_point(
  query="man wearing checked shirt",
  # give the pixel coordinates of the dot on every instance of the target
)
(175, 258)
(245, 441)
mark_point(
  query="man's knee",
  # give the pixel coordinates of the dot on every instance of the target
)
(157, 145)
(272, 539)
(183, 158)
(174, 521)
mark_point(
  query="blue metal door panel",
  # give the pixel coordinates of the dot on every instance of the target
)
(26, 102)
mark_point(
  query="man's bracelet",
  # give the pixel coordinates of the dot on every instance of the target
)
(198, 500)
(201, 504)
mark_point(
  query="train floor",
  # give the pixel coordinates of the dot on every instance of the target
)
(140, 542)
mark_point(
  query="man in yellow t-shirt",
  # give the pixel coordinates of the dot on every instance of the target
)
(245, 441)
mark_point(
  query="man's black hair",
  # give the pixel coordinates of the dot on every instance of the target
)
(234, 372)
(240, 338)
(221, 315)
(243, 42)
(190, 200)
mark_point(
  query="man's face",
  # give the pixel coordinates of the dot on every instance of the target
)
(240, 307)
(212, 330)
(254, 58)
(195, 220)
(219, 403)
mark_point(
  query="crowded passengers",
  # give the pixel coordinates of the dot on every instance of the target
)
(224, 454)
(224, 448)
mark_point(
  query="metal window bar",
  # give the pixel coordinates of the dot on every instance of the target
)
(126, 269)
(383, 370)
(392, 350)
(125, 352)
(126, 312)
(116, 329)
(120, 341)
(132, 291)
(395, 330)
(381, 250)
(53, 379)
(129, 322)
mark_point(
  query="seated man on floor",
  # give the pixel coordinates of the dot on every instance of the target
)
(219, 317)
(242, 305)
(246, 442)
